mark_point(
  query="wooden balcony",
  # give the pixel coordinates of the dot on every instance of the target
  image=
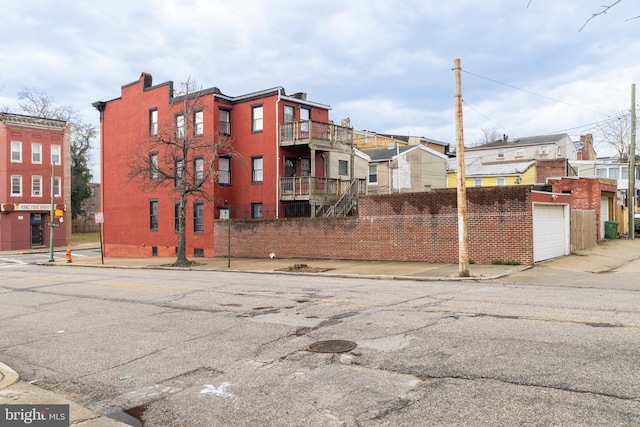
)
(317, 135)
(315, 188)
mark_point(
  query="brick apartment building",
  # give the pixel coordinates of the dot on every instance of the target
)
(30, 145)
(288, 160)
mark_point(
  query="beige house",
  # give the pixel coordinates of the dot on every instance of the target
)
(405, 169)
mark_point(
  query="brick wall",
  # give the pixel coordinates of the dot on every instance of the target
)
(400, 227)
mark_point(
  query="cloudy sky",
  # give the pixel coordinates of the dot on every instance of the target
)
(529, 66)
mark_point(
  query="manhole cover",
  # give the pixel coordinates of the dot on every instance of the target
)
(332, 346)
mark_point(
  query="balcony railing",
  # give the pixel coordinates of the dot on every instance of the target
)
(322, 135)
(309, 187)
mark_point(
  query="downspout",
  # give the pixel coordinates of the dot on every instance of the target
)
(278, 157)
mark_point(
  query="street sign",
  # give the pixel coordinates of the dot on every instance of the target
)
(99, 217)
(52, 224)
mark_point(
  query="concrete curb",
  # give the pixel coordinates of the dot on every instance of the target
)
(293, 273)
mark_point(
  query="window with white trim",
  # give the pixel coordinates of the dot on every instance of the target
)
(500, 155)
(153, 122)
(224, 122)
(16, 152)
(198, 217)
(256, 210)
(57, 186)
(198, 122)
(501, 180)
(16, 185)
(256, 170)
(179, 119)
(153, 214)
(373, 174)
(343, 167)
(153, 166)
(198, 170)
(36, 186)
(55, 154)
(544, 150)
(224, 170)
(477, 182)
(257, 118)
(36, 153)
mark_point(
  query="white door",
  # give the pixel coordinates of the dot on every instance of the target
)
(550, 231)
(604, 214)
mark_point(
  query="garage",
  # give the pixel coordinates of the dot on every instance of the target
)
(550, 231)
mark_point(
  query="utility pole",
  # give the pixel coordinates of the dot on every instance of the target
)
(463, 253)
(53, 211)
(632, 165)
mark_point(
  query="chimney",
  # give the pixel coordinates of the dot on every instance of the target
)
(505, 137)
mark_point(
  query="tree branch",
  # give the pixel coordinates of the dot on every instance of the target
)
(604, 11)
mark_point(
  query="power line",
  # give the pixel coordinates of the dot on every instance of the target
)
(531, 92)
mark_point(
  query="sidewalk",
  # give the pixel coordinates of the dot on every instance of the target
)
(621, 255)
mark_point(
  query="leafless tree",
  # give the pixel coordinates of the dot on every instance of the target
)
(39, 104)
(181, 159)
(605, 9)
(488, 135)
(615, 133)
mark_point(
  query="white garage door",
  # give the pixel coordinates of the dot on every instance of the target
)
(550, 232)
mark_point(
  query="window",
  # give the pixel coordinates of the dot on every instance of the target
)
(256, 169)
(36, 153)
(153, 122)
(613, 173)
(179, 171)
(198, 217)
(16, 185)
(256, 210)
(477, 182)
(256, 118)
(176, 216)
(343, 167)
(601, 172)
(179, 125)
(501, 180)
(16, 152)
(224, 122)
(625, 172)
(153, 214)
(305, 166)
(544, 150)
(520, 152)
(55, 154)
(305, 116)
(198, 170)
(36, 186)
(56, 186)
(198, 122)
(224, 170)
(153, 166)
(373, 174)
(500, 155)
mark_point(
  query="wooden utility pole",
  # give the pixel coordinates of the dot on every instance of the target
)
(632, 166)
(463, 254)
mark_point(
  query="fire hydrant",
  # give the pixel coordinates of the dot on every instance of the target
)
(68, 255)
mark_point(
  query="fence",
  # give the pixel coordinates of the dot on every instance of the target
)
(84, 226)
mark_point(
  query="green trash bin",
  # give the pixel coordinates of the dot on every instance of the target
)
(610, 229)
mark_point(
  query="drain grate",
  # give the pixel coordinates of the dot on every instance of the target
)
(332, 346)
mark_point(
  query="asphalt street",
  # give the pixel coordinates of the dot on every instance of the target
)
(215, 348)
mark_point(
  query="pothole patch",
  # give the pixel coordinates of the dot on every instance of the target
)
(331, 346)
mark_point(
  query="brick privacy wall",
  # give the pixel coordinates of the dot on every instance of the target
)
(400, 227)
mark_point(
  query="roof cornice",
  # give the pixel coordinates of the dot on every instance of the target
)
(30, 121)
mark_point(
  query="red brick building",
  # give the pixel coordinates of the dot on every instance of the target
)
(289, 160)
(29, 147)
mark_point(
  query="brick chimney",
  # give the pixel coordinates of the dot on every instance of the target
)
(587, 152)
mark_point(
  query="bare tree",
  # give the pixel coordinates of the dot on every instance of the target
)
(180, 158)
(605, 9)
(488, 135)
(615, 133)
(39, 104)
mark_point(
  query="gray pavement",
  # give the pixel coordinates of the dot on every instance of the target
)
(621, 255)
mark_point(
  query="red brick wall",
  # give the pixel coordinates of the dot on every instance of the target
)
(403, 227)
(550, 169)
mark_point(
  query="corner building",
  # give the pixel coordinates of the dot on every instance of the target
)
(30, 146)
(288, 160)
